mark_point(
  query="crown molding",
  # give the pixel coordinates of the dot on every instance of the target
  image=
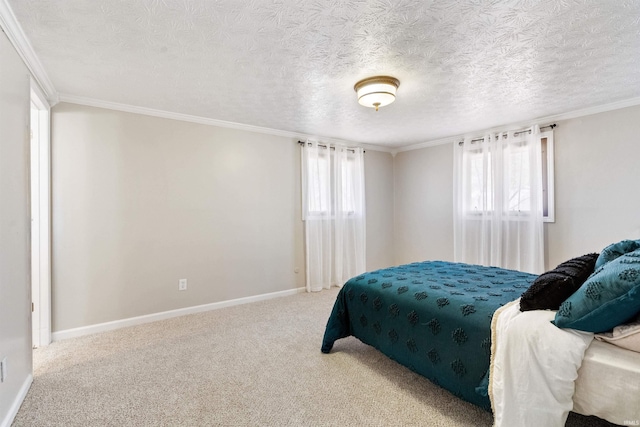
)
(541, 121)
(591, 110)
(287, 134)
(380, 148)
(427, 144)
(91, 102)
(20, 42)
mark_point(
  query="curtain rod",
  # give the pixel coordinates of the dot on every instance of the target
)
(515, 133)
(333, 148)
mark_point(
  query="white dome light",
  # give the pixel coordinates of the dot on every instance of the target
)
(375, 92)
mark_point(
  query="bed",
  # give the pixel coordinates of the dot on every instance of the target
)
(435, 317)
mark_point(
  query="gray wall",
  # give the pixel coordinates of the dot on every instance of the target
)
(379, 199)
(423, 204)
(15, 274)
(596, 191)
(597, 183)
(140, 202)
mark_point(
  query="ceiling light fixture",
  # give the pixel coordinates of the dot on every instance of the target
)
(378, 91)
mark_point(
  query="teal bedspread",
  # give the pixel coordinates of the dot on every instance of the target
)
(433, 317)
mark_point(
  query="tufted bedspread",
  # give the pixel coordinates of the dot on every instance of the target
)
(433, 317)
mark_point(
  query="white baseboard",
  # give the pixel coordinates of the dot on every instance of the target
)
(139, 320)
(13, 411)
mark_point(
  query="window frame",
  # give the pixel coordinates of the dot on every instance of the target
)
(548, 177)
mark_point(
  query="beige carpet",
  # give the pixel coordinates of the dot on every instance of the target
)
(252, 365)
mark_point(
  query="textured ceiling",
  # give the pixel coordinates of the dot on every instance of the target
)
(291, 64)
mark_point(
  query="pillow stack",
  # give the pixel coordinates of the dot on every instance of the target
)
(550, 289)
(610, 296)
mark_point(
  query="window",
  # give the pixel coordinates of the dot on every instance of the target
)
(348, 203)
(548, 196)
(324, 174)
(516, 176)
(479, 199)
(319, 199)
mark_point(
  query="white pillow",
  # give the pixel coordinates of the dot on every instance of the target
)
(625, 336)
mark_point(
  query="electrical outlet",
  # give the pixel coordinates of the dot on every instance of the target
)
(182, 285)
(3, 370)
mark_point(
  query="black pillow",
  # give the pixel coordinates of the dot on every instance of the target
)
(550, 289)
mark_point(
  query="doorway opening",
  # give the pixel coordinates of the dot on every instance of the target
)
(40, 218)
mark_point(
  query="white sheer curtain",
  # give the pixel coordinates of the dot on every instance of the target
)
(498, 201)
(334, 214)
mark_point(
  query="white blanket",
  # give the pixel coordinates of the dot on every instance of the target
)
(533, 367)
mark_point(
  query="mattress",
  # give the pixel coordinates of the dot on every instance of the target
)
(608, 384)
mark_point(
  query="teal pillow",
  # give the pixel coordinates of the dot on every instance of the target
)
(615, 250)
(609, 297)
